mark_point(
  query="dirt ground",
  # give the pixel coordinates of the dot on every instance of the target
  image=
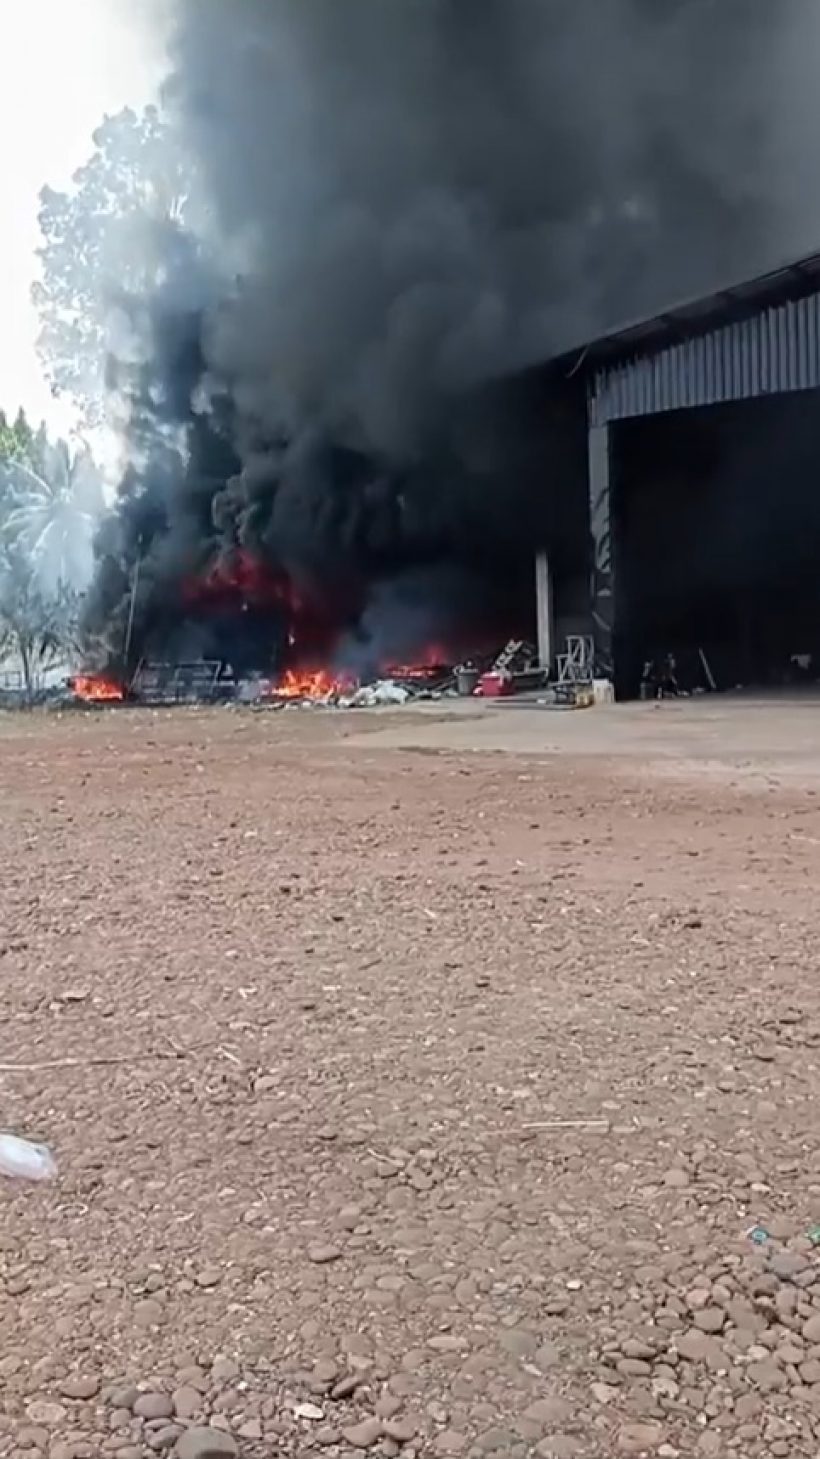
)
(408, 1095)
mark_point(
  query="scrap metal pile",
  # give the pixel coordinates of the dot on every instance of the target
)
(513, 671)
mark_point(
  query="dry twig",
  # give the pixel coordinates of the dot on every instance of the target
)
(569, 1125)
(93, 1062)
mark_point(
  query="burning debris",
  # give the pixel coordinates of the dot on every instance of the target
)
(96, 689)
(213, 682)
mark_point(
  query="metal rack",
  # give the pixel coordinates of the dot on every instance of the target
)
(577, 664)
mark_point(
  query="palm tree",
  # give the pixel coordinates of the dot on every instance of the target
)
(54, 506)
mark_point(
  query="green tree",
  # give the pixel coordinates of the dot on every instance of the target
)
(107, 236)
(37, 628)
(51, 512)
(16, 441)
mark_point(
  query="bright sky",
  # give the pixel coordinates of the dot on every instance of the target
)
(67, 63)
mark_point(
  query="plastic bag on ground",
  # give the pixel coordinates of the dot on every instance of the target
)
(23, 1160)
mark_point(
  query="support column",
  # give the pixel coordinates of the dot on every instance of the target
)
(603, 568)
(544, 609)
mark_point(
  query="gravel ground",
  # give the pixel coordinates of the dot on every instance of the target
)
(418, 1103)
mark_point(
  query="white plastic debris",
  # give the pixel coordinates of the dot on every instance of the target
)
(22, 1160)
(370, 696)
(309, 1410)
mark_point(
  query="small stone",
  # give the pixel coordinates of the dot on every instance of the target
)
(633, 1368)
(634, 1348)
(206, 1443)
(603, 1392)
(710, 1319)
(748, 1406)
(496, 1441)
(309, 1411)
(41, 1412)
(710, 1443)
(766, 1376)
(696, 1347)
(210, 1276)
(32, 1436)
(518, 1342)
(324, 1255)
(148, 1313)
(548, 1412)
(326, 1437)
(388, 1406)
(346, 1387)
(79, 1387)
(403, 1430)
(224, 1370)
(561, 1446)
(124, 1395)
(187, 1402)
(164, 1437)
(787, 1265)
(363, 1435)
(325, 1371)
(676, 1179)
(251, 1429)
(450, 1441)
(638, 1438)
(154, 1405)
(811, 1329)
(446, 1342)
(810, 1371)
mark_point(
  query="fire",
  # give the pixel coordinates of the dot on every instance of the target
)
(327, 684)
(97, 688)
(432, 662)
(312, 684)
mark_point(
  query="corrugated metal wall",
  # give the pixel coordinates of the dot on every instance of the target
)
(774, 351)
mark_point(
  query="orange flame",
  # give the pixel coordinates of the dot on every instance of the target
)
(320, 684)
(432, 662)
(312, 684)
(97, 689)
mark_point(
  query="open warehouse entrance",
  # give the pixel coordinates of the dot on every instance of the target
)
(704, 487)
(716, 543)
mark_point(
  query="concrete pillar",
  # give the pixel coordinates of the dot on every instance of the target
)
(544, 609)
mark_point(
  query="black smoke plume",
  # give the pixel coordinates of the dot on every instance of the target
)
(400, 201)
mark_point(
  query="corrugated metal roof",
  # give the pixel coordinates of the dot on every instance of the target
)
(791, 280)
(774, 350)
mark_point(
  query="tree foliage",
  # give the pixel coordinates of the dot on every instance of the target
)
(37, 628)
(16, 441)
(50, 502)
(52, 511)
(105, 238)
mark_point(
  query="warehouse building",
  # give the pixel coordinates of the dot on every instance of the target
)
(702, 430)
